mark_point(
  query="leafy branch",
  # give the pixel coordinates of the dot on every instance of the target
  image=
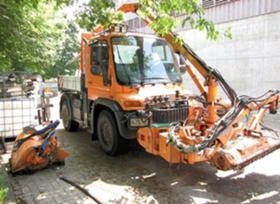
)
(166, 13)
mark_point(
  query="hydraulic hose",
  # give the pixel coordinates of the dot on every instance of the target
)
(221, 125)
(216, 131)
(83, 190)
(176, 142)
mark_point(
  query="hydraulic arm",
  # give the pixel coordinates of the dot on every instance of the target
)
(228, 135)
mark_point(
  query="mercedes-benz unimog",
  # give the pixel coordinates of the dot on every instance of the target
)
(130, 86)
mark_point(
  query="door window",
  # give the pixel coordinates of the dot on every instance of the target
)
(99, 58)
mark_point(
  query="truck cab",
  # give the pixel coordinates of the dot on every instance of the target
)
(119, 71)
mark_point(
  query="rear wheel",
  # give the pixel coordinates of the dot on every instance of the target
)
(65, 112)
(108, 135)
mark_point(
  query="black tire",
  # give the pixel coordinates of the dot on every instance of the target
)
(66, 116)
(109, 139)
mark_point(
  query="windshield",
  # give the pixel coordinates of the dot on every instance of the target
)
(144, 60)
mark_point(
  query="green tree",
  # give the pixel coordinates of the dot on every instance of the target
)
(32, 35)
(66, 60)
(12, 28)
(21, 35)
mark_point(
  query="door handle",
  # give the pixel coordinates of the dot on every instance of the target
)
(90, 82)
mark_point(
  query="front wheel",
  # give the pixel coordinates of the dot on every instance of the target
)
(108, 135)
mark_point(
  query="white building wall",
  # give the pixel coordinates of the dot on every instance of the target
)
(240, 9)
(250, 62)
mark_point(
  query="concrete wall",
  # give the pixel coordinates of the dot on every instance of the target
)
(250, 62)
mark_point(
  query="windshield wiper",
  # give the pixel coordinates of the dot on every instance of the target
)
(157, 78)
(166, 80)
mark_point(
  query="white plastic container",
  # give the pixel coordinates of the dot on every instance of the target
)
(16, 113)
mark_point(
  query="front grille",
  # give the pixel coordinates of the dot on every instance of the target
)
(169, 115)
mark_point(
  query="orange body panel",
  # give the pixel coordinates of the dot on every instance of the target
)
(167, 151)
(149, 138)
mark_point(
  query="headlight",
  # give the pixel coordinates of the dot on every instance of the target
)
(139, 122)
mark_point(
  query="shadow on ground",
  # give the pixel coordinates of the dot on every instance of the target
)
(137, 177)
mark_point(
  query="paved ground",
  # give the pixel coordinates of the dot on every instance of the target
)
(138, 177)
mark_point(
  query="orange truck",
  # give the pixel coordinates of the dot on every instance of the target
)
(129, 86)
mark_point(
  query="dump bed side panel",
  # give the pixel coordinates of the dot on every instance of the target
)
(69, 83)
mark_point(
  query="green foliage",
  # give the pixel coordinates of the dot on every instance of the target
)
(96, 12)
(3, 185)
(32, 35)
(66, 59)
(164, 13)
(19, 32)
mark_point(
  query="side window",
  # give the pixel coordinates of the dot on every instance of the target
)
(99, 58)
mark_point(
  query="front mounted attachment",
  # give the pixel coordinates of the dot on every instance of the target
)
(234, 140)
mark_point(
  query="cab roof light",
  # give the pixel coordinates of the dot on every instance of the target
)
(119, 28)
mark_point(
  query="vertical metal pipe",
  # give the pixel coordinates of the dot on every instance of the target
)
(211, 99)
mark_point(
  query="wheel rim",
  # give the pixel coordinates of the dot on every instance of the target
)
(65, 116)
(106, 134)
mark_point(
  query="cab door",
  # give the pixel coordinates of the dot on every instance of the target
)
(98, 78)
